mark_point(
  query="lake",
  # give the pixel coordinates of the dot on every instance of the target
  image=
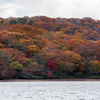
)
(50, 90)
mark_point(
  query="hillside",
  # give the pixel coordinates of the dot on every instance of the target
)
(41, 47)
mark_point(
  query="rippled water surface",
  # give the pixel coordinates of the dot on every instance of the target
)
(51, 90)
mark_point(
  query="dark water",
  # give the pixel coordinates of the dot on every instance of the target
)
(56, 90)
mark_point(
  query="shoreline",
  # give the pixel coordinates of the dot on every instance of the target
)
(46, 80)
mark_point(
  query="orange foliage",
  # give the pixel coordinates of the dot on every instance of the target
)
(33, 49)
(49, 74)
(2, 45)
(26, 41)
(74, 43)
(70, 43)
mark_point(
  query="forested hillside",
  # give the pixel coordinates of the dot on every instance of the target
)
(41, 47)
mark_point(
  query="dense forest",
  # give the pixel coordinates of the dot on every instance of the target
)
(41, 47)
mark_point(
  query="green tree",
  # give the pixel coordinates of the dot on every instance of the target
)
(12, 22)
(17, 67)
(94, 67)
(55, 28)
(21, 20)
(30, 22)
(2, 21)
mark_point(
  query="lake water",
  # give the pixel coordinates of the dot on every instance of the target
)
(50, 90)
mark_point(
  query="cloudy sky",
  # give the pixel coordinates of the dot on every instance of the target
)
(50, 8)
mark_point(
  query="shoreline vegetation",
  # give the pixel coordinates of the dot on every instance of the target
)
(46, 48)
(46, 80)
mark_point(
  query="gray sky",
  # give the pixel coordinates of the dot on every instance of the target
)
(50, 8)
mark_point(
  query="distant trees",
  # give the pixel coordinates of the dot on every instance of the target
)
(30, 22)
(43, 47)
(12, 22)
(19, 20)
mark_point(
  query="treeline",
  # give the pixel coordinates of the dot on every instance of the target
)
(42, 47)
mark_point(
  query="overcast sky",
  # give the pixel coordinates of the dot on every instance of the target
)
(50, 8)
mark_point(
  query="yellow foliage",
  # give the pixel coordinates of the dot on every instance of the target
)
(73, 56)
(78, 40)
(54, 41)
(24, 41)
(34, 48)
(44, 40)
(95, 66)
(77, 36)
(86, 23)
(98, 42)
(44, 31)
(35, 64)
(58, 34)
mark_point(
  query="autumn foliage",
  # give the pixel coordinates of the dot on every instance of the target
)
(42, 47)
(52, 66)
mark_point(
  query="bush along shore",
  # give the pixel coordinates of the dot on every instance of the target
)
(40, 47)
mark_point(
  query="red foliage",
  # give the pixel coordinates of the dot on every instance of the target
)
(52, 66)
(71, 41)
(2, 59)
(27, 54)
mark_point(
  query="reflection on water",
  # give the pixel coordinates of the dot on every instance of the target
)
(56, 90)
